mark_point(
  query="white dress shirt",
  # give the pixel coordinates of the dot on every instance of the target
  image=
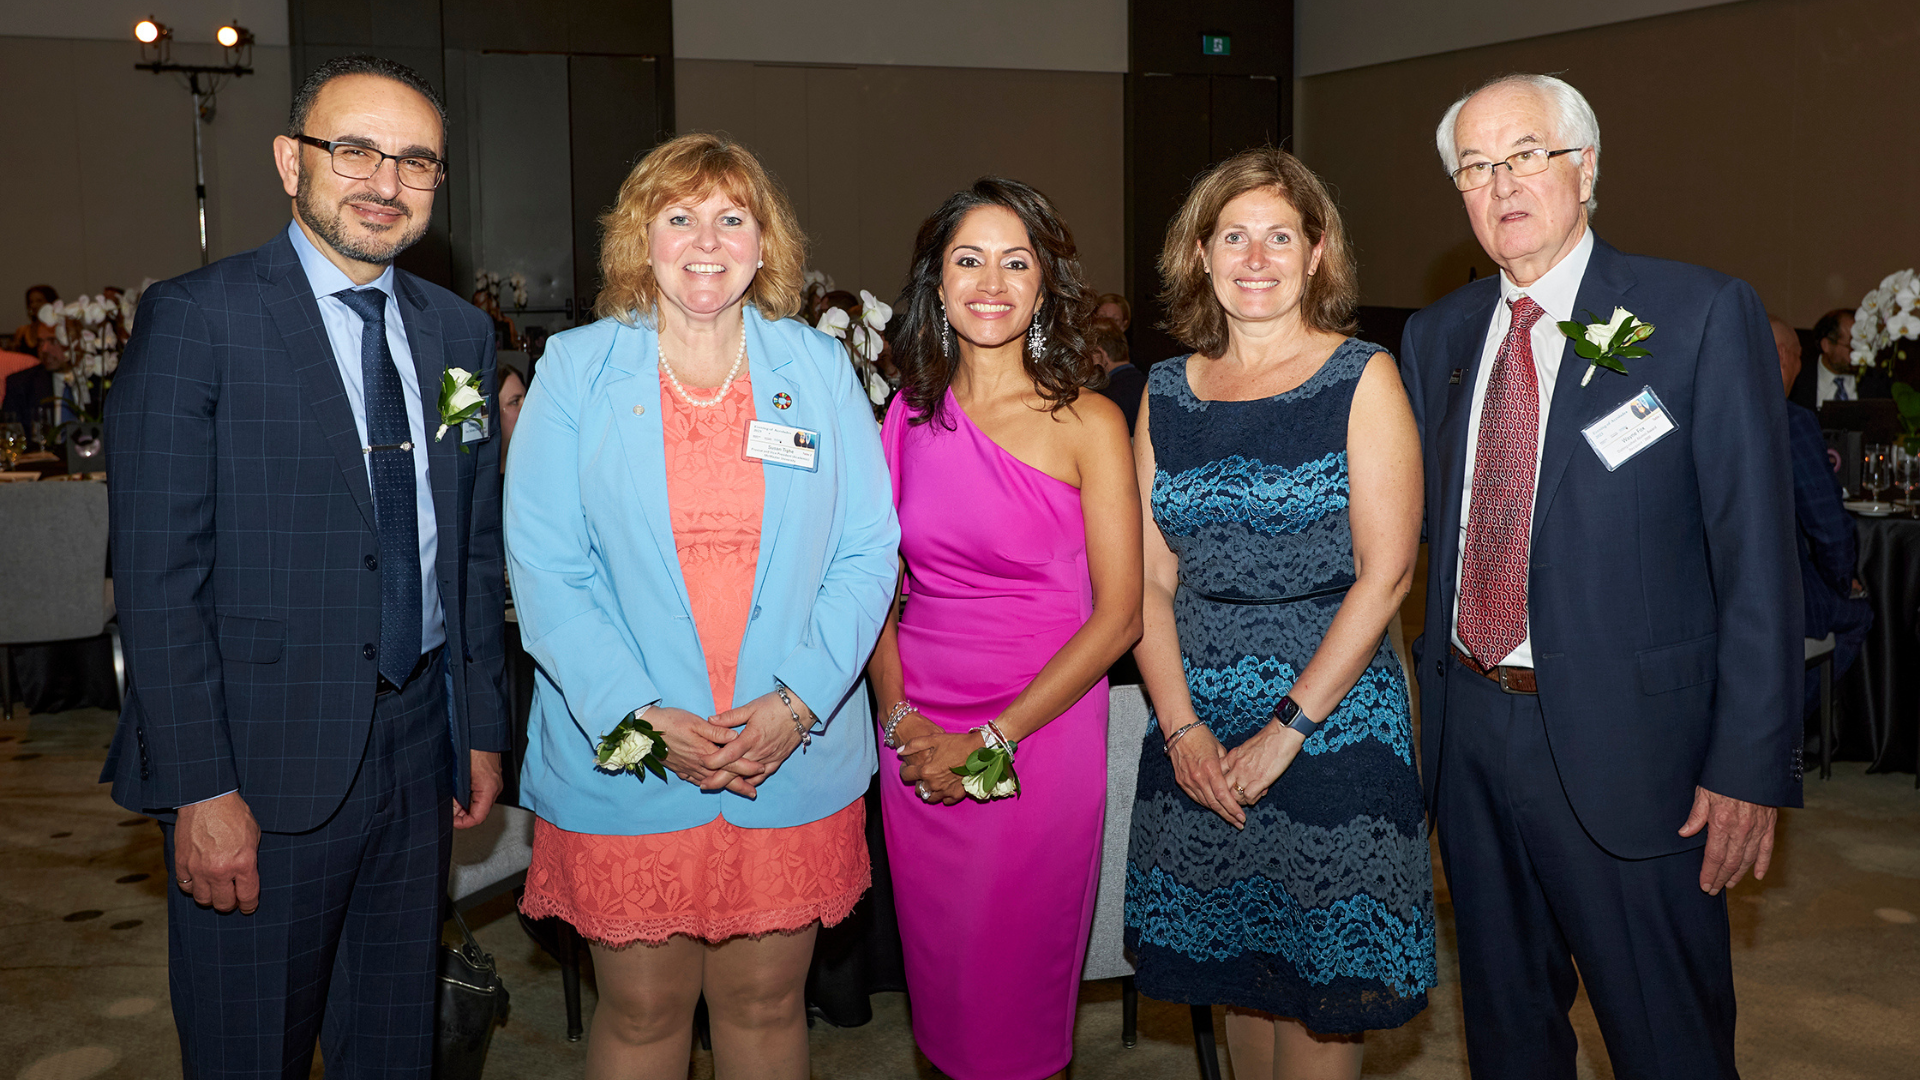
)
(343, 332)
(1556, 292)
(1828, 386)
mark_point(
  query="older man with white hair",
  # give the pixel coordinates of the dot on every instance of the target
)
(1611, 664)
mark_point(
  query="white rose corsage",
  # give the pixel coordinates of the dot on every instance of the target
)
(1603, 344)
(988, 772)
(460, 401)
(631, 746)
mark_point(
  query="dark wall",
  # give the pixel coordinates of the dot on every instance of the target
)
(1187, 111)
(620, 76)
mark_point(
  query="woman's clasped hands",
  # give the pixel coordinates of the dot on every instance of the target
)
(1228, 781)
(735, 751)
(928, 756)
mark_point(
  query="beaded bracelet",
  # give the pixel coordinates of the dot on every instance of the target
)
(895, 715)
(800, 729)
(1176, 736)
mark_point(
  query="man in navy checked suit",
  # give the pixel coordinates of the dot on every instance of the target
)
(310, 589)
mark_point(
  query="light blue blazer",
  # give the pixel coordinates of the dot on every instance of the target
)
(603, 607)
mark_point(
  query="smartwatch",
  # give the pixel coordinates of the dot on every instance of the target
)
(1289, 715)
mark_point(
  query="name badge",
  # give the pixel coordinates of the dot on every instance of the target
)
(1637, 424)
(777, 444)
(474, 430)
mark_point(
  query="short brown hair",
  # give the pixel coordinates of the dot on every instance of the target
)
(1194, 315)
(693, 167)
(1114, 298)
(1107, 337)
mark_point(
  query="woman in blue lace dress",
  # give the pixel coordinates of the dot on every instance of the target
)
(1279, 858)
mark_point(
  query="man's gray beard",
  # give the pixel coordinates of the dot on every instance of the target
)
(333, 230)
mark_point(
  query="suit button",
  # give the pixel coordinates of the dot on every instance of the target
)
(369, 651)
(1439, 667)
(373, 563)
(466, 656)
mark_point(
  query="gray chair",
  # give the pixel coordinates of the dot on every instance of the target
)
(1819, 653)
(491, 860)
(53, 558)
(1128, 716)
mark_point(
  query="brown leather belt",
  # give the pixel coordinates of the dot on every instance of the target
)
(1514, 680)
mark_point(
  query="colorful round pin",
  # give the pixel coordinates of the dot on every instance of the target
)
(782, 400)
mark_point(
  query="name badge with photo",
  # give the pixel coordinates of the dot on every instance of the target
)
(1637, 424)
(777, 444)
(474, 430)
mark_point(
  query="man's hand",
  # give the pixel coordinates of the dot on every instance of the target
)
(216, 847)
(1739, 838)
(485, 785)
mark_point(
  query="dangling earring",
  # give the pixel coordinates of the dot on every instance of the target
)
(946, 333)
(1036, 336)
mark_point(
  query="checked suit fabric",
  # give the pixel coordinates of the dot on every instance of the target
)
(1493, 576)
(395, 511)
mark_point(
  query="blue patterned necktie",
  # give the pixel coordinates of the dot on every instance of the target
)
(390, 460)
(1839, 388)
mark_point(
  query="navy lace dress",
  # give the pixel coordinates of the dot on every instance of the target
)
(1322, 908)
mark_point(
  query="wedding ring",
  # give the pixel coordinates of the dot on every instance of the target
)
(186, 881)
(926, 793)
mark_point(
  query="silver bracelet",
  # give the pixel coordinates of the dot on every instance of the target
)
(800, 729)
(900, 711)
(1181, 732)
(992, 736)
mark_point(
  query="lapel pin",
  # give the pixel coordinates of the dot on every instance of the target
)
(782, 400)
(1454, 379)
(639, 410)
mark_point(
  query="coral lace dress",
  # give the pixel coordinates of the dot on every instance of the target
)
(717, 880)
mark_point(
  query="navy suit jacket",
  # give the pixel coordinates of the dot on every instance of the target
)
(1663, 597)
(245, 557)
(1827, 543)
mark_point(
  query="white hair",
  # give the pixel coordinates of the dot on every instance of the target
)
(1573, 122)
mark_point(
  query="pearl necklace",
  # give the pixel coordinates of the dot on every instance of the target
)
(720, 395)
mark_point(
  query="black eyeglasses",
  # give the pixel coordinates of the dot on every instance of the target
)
(356, 161)
(1525, 163)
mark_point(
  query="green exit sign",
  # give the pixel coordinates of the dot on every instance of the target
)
(1216, 45)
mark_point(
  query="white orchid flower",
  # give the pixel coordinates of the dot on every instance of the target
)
(479, 279)
(868, 342)
(95, 311)
(493, 278)
(834, 322)
(517, 282)
(874, 311)
(877, 388)
(520, 297)
(48, 314)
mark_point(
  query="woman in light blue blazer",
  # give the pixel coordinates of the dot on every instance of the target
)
(700, 535)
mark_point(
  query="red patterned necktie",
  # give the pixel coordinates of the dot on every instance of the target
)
(1493, 573)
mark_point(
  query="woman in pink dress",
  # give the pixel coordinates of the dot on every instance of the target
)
(1020, 535)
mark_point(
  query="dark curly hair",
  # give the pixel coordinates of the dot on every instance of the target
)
(1066, 304)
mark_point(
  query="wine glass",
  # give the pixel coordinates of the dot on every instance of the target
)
(13, 443)
(1875, 473)
(1906, 472)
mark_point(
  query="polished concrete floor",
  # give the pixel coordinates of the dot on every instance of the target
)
(1826, 951)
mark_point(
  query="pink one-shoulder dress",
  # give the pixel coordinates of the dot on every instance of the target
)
(995, 899)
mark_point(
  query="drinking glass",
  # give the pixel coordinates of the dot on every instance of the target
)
(1875, 471)
(1906, 471)
(13, 443)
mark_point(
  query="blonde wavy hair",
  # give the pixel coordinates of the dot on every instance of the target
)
(690, 168)
(1194, 315)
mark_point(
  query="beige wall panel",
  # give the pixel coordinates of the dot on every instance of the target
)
(866, 153)
(1771, 139)
(111, 199)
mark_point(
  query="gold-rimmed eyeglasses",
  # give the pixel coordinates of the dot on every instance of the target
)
(1525, 163)
(355, 161)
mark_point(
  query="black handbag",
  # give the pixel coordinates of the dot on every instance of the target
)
(471, 999)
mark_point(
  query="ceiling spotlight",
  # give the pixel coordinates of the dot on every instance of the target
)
(233, 37)
(147, 31)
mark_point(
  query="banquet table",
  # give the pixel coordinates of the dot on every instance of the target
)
(1880, 694)
(56, 676)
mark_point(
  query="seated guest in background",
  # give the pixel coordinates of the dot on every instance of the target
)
(1020, 534)
(728, 601)
(1835, 602)
(279, 505)
(1279, 861)
(1114, 308)
(1125, 383)
(26, 339)
(1610, 670)
(1833, 376)
(512, 392)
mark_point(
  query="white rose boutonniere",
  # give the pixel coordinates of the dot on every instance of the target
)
(988, 772)
(1606, 344)
(632, 745)
(460, 401)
